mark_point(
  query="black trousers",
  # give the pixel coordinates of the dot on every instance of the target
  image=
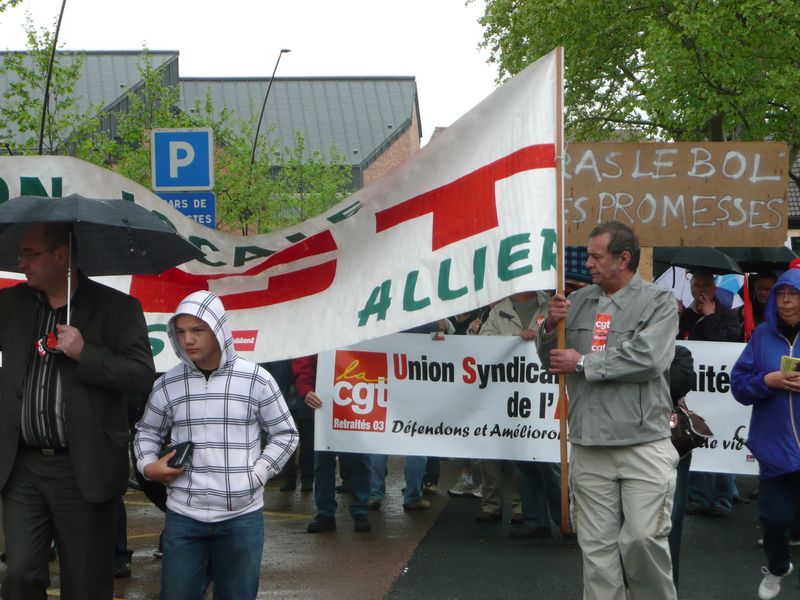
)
(304, 453)
(41, 502)
(778, 506)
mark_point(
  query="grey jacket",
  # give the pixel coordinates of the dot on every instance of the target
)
(504, 320)
(622, 397)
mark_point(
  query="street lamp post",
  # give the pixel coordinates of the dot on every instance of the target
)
(264, 105)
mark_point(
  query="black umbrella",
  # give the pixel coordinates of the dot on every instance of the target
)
(707, 259)
(114, 237)
(756, 260)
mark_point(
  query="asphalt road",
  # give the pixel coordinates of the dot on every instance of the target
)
(445, 554)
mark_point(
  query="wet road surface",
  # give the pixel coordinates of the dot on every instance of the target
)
(443, 553)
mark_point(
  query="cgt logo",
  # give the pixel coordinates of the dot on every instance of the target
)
(244, 340)
(360, 392)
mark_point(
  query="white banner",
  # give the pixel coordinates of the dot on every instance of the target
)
(488, 397)
(467, 220)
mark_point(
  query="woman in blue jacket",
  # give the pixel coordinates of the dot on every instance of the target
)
(774, 437)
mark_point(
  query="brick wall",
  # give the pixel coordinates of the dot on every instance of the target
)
(402, 148)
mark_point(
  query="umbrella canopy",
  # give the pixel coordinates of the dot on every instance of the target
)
(756, 260)
(707, 259)
(114, 237)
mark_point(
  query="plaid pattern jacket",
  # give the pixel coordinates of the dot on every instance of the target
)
(224, 417)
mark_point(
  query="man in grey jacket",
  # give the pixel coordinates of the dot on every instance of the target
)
(620, 335)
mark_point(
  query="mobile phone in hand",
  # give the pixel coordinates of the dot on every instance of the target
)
(182, 457)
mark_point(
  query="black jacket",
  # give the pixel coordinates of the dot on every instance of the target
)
(116, 360)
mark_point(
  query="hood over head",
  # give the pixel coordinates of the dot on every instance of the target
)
(790, 278)
(208, 308)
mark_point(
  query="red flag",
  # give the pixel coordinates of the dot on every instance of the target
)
(747, 312)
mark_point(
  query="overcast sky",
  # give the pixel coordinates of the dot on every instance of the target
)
(433, 40)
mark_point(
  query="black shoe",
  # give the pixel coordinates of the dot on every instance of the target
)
(344, 489)
(321, 523)
(531, 533)
(122, 568)
(361, 523)
(374, 504)
(307, 486)
(740, 500)
(288, 486)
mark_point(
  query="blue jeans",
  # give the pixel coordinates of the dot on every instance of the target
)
(226, 552)
(414, 473)
(357, 466)
(712, 490)
(540, 493)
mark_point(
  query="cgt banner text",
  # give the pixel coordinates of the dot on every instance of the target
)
(488, 397)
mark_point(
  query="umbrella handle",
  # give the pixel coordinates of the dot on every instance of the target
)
(69, 278)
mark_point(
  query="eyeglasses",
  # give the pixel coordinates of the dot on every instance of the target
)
(29, 255)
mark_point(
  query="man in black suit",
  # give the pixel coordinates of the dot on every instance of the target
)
(63, 418)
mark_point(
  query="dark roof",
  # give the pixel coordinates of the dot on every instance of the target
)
(106, 75)
(357, 114)
(362, 116)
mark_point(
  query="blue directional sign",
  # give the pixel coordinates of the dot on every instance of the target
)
(200, 206)
(182, 159)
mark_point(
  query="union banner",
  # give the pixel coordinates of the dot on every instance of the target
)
(468, 219)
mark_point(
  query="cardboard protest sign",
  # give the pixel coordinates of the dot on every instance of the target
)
(680, 194)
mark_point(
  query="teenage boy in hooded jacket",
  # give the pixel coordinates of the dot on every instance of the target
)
(757, 381)
(214, 528)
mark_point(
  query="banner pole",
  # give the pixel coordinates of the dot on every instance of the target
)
(566, 529)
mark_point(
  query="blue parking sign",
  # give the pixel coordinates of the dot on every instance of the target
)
(199, 206)
(182, 159)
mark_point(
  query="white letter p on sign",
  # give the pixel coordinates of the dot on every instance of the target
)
(181, 154)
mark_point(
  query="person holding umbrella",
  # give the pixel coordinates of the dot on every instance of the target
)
(63, 415)
(706, 319)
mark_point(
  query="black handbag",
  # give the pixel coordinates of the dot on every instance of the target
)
(689, 430)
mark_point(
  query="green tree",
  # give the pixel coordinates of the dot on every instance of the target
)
(680, 70)
(243, 188)
(4, 4)
(152, 105)
(306, 186)
(69, 129)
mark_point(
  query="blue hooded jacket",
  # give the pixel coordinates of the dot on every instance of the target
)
(774, 435)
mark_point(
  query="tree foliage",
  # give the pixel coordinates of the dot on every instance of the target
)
(283, 187)
(681, 70)
(4, 4)
(306, 185)
(155, 105)
(68, 129)
(243, 189)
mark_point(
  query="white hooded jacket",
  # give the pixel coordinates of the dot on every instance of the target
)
(224, 417)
